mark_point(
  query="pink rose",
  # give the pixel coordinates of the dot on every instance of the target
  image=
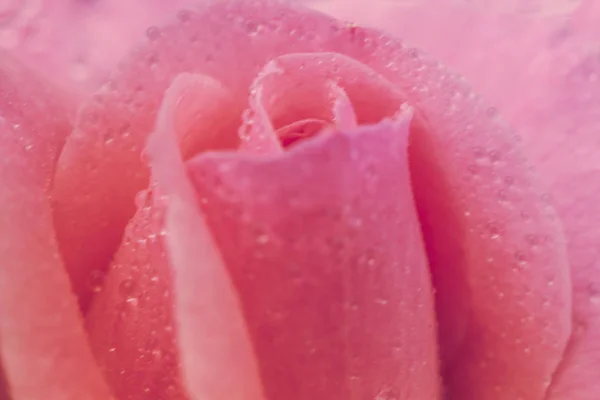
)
(263, 202)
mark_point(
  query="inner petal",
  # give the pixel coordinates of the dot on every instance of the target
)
(299, 130)
(297, 96)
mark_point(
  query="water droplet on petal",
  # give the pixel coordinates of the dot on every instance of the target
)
(262, 239)
(153, 33)
(95, 279)
(492, 111)
(184, 15)
(126, 287)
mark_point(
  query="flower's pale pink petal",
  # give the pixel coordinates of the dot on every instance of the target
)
(543, 73)
(218, 360)
(481, 206)
(130, 322)
(324, 247)
(43, 346)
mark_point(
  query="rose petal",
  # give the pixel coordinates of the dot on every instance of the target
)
(44, 350)
(496, 250)
(297, 87)
(547, 84)
(324, 248)
(218, 359)
(231, 41)
(131, 322)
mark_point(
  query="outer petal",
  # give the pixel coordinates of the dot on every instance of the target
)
(542, 70)
(43, 345)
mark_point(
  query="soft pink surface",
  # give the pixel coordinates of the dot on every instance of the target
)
(45, 354)
(501, 261)
(543, 73)
(217, 355)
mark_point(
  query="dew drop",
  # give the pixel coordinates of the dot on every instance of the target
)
(132, 301)
(521, 259)
(478, 153)
(126, 287)
(184, 15)
(381, 301)
(251, 27)
(493, 230)
(494, 156)
(152, 60)
(153, 33)
(389, 393)
(95, 280)
(262, 239)
(157, 354)
(473, 169)
(491, 111)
